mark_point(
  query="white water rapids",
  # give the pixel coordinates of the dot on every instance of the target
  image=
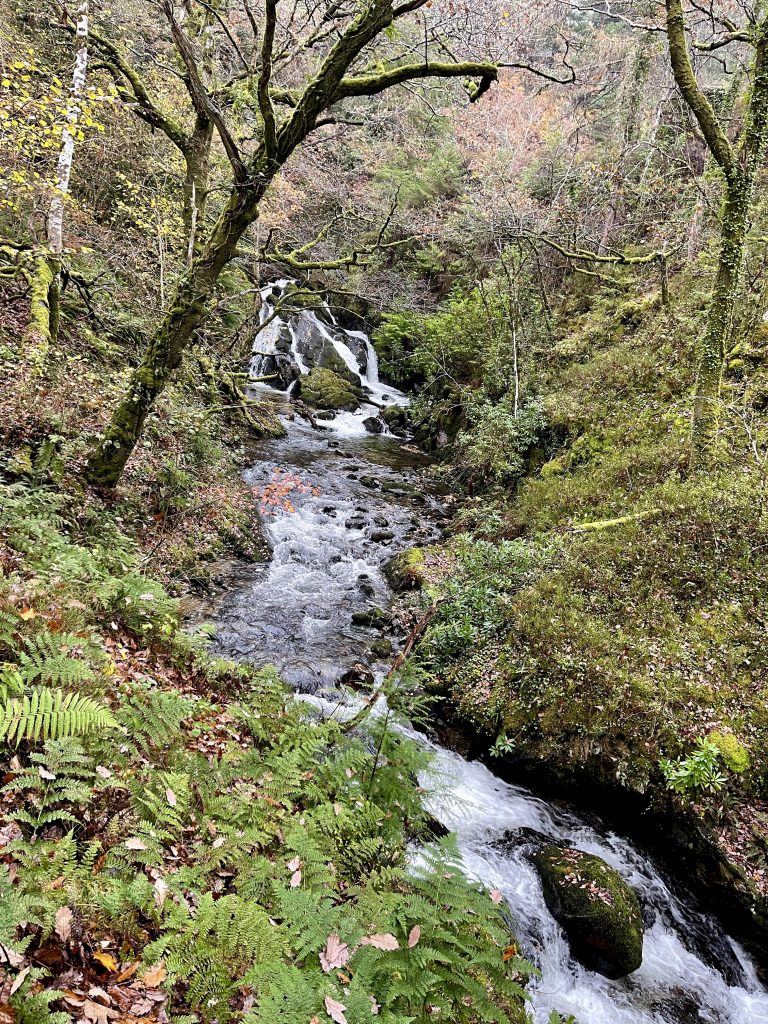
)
(295, 612)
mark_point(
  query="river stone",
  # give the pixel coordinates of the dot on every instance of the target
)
(373, 425)
(406, 570)
(380, 536)
(376, 618)
(599, 912)
(325, 389)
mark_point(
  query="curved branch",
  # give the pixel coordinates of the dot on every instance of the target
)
(370, 85)
(693, 94)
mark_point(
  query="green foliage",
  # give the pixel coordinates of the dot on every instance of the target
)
(57, 785)
(50, 714)
(698, 771)
(495, 447)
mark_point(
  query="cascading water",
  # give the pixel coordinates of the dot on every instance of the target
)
(288, 347)
(355, 500)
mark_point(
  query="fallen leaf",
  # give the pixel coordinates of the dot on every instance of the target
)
(11, 957)
(375, 1007)
(295, 864)
(7, 1014)
(97, 1013)
(103, 772)
(161, 891)
(27, 613)
(509, 953)
(63, 923)
(155, 976)
(45, 774)
(335, 1010)
(496, 896)
(135, 844)
(106, 960)
(170, 796)
(379, 941)
(335, 954)
(295, 879)
(19, 980)
(414, 936)
(129, 972)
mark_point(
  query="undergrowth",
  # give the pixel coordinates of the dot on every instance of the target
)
(204, 847)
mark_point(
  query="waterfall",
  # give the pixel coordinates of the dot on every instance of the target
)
(290, 345)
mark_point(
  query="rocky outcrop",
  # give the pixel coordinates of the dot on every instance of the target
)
(599, 912)
(325, 389)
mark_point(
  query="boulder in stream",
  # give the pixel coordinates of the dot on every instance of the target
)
(599, 912)
(406, 570)
(325, 389)
(373, 425)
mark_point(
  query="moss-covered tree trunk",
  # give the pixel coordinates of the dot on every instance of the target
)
(713, 342)
(197, 158)
(740, 163)
(164, 353)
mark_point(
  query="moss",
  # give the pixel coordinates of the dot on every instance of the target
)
(406, 570)
(599, 911)
(734, 754)
(325, 389)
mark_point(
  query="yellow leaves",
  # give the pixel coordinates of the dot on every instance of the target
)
(106, 960)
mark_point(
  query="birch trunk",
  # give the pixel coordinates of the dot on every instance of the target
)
(44, 319)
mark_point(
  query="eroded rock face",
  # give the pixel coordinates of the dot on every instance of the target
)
(599, 912)
(325, 389)
(317, 350)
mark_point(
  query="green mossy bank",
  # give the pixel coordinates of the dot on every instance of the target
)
(602, 609)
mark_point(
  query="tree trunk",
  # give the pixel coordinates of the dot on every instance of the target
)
(714, 340)
(165, 351)
(197, 157)
(63, 175)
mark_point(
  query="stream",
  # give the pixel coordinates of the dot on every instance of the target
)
(337, 503)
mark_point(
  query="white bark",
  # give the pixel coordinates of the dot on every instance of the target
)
(68, 135)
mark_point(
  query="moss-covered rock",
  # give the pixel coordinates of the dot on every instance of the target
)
(734, 754)
(406, 570)
(598, 910)
(325, 389)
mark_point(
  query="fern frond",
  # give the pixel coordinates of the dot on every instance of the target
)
(49, 714)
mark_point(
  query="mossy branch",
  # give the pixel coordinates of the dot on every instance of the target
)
(607, 524)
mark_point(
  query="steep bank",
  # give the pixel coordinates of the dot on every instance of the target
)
(603, 609)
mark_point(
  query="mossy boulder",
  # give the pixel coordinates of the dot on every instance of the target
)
(406, 570)
(599, 912)
(734, 754)
(325, 389)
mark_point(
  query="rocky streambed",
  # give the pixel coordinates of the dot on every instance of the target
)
(337, 503)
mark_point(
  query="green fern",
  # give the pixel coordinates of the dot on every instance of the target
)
(49, 659)
(50, 714)
(213, 951)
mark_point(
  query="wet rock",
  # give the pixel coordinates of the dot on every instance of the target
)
(355, 522)
(599, 912)
(358, 677)
(325, 389)
(370, 481)
(318, 352)
(381, 520)
(373, 425)
(381, 536)
(325, 414)
(376, 618)
(406, 570)
(396, 418)
(381, 648)
(365, 585)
